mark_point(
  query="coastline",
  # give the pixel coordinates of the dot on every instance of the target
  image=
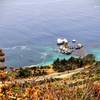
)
(46, 57)
(74, 72)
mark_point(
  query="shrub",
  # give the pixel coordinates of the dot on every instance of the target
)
(24, 73)
(63, 65)
(73, 63)
(89, 59)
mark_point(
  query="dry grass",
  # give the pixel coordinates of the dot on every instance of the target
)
(79, 86)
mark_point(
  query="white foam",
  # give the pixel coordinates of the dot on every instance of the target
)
(30, 66)
(23, 47)
(44, 55)
(12, 48)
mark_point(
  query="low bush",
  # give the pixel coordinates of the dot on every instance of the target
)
(24, 73)
(73, 63)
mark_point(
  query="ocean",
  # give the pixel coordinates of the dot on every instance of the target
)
(29, 29)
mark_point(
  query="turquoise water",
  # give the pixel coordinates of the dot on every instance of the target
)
(29, 28)
(96, 52)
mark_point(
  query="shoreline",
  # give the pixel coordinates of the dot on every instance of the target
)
(58, 65)
(94, 52)
(45, 64)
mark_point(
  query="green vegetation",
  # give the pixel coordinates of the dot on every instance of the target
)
(84, 85)
(44, 67)
(24, 73)
(30, 72)
(73, 63)
(89, 59)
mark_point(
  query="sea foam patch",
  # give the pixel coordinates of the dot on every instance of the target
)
(23, 47)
